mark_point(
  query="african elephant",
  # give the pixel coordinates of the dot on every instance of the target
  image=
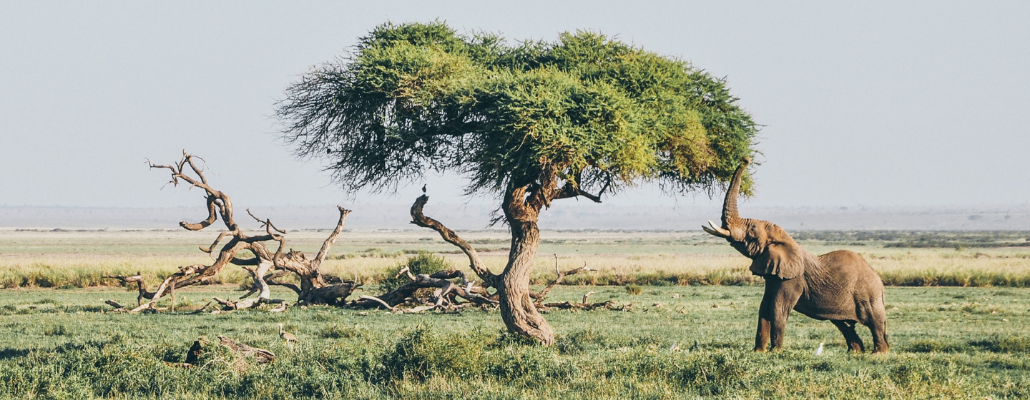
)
(839, 286)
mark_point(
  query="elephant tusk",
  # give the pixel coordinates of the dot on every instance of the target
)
(715, 230)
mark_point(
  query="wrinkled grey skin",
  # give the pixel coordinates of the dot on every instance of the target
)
(838, 286)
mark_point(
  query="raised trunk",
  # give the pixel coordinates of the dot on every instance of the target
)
(729, 205)
(517, 309)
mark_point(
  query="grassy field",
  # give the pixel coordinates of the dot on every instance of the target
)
(947, 343)
(80, 258)
(687, 334)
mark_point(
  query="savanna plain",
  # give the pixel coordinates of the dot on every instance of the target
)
(683, 324)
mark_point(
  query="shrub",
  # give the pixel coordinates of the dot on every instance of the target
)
(935, 346)
(422, 354)
(422, 263)
(337, 331)
(1009, 344)
(634, 289)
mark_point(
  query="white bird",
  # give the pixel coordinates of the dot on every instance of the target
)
(819, 350)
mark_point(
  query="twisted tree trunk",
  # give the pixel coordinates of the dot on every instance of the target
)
(517, 305)
(521, 206)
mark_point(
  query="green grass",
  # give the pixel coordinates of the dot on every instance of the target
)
(673, 342)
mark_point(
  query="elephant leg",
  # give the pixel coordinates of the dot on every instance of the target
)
(877, 324)
(762, 337)
(782, 309)
(784, 296)
(848, 329)
(766, 315)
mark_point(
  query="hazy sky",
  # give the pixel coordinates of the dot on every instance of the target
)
(882, 104)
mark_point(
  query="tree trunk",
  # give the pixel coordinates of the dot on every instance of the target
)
(517, 309)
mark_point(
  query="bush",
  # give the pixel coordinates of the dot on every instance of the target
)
(337, 331)
(634, 289)
(422, 263)
(422, 354)
(1009, 344)
(935, 346)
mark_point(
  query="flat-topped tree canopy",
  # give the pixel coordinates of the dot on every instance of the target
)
(589, 111)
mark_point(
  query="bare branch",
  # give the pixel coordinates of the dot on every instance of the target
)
(221, 236)
(571, 189)
(378, 300)
(324, 251)
(263, 356)
(539, 297)
(418, 218)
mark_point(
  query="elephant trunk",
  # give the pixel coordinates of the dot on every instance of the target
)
(729, 206)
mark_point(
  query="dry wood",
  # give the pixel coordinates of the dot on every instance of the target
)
(141, 286)
(265, 266)
(560, 276)
(263, 356)
(418, 218)
(447, 292)
(117, 307)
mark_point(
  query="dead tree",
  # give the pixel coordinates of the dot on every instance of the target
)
(265, 266)
(314, 287)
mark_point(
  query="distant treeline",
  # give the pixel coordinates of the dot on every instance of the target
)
(920, 239)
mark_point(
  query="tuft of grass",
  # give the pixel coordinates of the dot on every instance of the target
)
(1004, 344)
(634, 289)
(337, 331)
(935, 346)
(55, 330)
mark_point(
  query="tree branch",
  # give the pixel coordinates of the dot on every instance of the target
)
(539, 297)
(324, 251)
(418, 218)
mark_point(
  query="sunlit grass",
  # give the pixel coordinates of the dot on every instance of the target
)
(80, 259)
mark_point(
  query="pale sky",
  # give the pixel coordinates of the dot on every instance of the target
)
(878, 103)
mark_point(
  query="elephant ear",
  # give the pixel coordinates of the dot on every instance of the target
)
(785, 260)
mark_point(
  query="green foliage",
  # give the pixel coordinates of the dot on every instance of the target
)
(634, 289)
(422, 353)
(586, 109)
(422, 263)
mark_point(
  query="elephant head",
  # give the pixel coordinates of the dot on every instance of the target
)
(772, 251)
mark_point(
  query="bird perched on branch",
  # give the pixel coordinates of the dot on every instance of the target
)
(288, 337)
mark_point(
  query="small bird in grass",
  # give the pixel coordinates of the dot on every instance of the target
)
(288, 337)
(819, 350)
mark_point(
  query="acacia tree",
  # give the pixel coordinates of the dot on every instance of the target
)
(533, 122)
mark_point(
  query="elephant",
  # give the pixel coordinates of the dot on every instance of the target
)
(839, 286)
